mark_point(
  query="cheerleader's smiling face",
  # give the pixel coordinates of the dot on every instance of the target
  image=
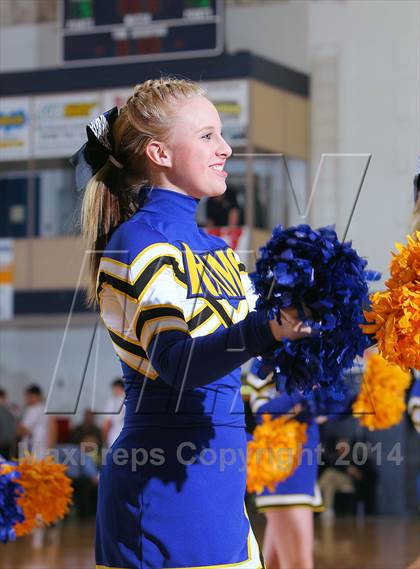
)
(192, 158)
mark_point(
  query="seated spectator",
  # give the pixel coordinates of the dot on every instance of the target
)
(82, 467)
(338, 476)
(88, 428)
(7, 428)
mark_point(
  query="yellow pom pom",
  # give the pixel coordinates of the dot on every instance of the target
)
(405, 265)
(381, 400)
(273, 454)
(395, 314)
(47, 493)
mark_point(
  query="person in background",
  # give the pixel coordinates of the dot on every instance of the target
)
(36, 429)
(83, 463)
(38, 434)
(112, 425)
(339, 476)
(223, 210)
(87, 429)
(7, 428)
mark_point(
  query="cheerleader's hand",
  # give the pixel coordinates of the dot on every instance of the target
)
(291, 326)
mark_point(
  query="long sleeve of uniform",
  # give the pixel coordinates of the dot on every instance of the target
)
(264, 395)
(336, 410)
(265, 399)
(281, 405)
(182, 360)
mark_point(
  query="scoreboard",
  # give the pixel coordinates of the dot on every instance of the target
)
(112, 31)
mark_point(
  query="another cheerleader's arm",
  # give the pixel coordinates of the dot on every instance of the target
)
(337, 410)
(283, 404)
(265, 399)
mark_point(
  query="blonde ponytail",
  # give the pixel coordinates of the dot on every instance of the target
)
(107, 203)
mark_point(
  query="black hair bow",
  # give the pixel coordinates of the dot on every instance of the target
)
(90, 158)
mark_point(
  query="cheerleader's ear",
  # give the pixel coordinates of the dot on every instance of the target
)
(158, 154)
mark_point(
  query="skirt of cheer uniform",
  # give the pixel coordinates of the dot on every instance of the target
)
(300, 489)
(163, 513)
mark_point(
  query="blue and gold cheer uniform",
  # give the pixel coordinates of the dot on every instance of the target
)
(300, 488)
(178, 306)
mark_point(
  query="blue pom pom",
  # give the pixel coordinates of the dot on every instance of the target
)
(311, 269)
(10, 512)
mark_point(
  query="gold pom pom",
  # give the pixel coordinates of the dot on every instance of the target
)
(274, 453)
(381, 400)
(405, 265)
(395, 314)
(47, 493)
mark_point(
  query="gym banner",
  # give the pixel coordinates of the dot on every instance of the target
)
(14, 128)
(60, 122)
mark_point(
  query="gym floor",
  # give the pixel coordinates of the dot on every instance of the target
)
(342, 543)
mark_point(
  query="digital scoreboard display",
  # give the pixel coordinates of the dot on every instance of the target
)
(111, 31)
